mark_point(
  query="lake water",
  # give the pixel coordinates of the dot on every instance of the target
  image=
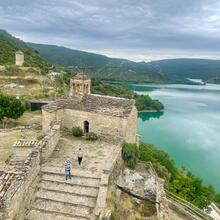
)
(189, 129)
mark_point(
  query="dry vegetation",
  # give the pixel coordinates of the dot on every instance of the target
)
(125, 207)
(28, 83)
(30, 118)
(7, 140)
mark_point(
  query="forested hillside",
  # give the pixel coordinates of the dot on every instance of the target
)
(190, 68)
(9, 45)
(103, 67)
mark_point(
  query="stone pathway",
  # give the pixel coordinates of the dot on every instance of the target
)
(96, 154)
(75, 199)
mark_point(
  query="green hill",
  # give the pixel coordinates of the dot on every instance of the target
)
(103, 67)
(190, 68)
(10, 44)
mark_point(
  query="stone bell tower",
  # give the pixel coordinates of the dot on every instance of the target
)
(80, 84)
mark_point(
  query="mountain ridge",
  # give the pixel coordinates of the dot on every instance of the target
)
(101, 66)
(195, 68)
(107, 68)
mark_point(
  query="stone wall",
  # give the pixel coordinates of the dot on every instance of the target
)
(49, 142)
(19, 59)
(49, 119)
(15, 201)
(108, 128)
(132, 126)
(109, 172)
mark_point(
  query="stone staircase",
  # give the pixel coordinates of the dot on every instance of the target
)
(58, 199)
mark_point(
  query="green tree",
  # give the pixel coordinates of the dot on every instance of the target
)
(10, 108)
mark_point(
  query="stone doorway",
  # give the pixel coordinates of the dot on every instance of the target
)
(86, 126)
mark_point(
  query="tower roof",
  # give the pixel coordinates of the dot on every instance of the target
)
(81, 76)
(19, 52)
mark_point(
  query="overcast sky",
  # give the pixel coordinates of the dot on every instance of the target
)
(132, 29)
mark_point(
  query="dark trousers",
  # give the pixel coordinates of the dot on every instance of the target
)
(67, 174)
(80, 160)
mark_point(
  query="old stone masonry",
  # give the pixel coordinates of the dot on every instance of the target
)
(32, 185)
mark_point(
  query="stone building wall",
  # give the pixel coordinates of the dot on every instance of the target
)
(106, 127)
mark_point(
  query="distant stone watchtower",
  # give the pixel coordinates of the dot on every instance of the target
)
(19, 58)
(80, 84)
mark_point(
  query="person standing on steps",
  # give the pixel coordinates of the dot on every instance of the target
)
(67, 167)
(80, 156)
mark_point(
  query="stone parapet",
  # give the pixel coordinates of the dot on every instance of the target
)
(49, 142)
(104, 183)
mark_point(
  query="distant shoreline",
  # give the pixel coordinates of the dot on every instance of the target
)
(151, 111)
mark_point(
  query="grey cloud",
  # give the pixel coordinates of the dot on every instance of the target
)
(154, 28)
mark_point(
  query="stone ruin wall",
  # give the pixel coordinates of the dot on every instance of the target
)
(110, 173)
(15, 201)
(19, 59)
(50, 118)
(132, 127)
(49, 142)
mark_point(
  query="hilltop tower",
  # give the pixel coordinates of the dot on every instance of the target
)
(80, 84)
(19, 58)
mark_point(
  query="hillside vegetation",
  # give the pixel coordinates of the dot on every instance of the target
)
(103, 67)
(177, 180)
(143, 102)
(10, 44)
(190, 68)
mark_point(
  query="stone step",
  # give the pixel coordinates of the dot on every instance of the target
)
(67, 188)
(67, 198)
(76, 172)
(47, 215)
(60, 207)
(76, 180)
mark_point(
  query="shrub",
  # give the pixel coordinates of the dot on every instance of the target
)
(77, 132)
(130, 154)
(40, 137)
(91, 136)
(10, 108)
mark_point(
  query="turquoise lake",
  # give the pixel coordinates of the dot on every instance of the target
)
(189, 128)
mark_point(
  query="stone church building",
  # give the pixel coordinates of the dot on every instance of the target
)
(111, 118)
